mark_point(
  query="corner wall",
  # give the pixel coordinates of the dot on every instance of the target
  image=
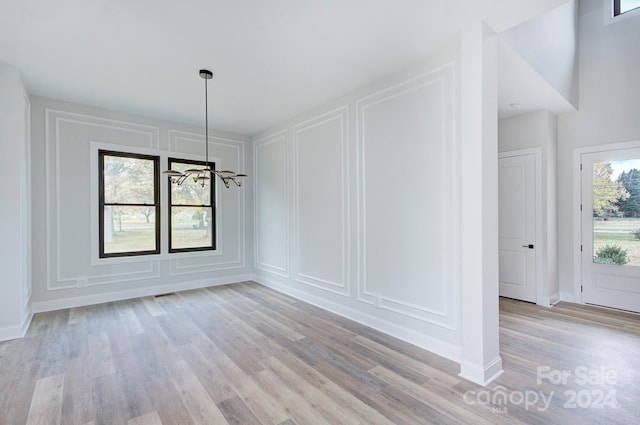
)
(357, 205)
(380, 206)
(66, 269)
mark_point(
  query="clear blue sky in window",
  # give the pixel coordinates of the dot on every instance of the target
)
(627, 5)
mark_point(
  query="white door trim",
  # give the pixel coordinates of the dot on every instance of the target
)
(542, 289)
(576, 297)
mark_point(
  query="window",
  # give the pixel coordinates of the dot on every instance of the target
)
(192, 215)
(616, 212)
(624, 6)
(129, 210)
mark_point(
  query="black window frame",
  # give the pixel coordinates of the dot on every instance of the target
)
(101, 202)
(212, 205)
(616, 9)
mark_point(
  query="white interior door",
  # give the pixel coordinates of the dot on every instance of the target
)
(517, 222)
(610, 249)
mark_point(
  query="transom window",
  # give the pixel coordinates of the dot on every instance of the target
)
(623, 6)
(129, 214)
(192, 215)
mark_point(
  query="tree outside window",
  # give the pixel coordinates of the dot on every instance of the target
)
(616, 212)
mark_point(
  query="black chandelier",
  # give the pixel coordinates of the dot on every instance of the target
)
(201, 175)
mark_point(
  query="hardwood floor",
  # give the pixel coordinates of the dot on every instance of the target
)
(243, 354)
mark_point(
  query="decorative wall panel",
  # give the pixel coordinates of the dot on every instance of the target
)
(272, 204)
(321, 201)
(407, 157)
(71, 144)
(230, 229)
(68, 196)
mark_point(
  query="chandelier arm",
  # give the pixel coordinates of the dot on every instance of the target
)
(182, 179)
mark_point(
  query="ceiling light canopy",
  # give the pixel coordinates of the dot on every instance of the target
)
(201, 175)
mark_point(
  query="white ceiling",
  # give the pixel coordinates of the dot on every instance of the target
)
(271, 59)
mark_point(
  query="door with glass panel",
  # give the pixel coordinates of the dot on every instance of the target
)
(611, 228)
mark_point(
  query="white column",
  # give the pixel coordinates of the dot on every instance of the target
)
(481, 361)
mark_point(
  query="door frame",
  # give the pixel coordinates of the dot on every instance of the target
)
(577, 296)
(542, 290)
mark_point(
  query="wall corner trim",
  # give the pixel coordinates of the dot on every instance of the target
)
(481, 375)
(18, 331)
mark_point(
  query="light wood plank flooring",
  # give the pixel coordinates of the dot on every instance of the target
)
(243, 354)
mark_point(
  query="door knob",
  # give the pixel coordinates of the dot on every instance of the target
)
(530, 246)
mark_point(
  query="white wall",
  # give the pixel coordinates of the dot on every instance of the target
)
(529, 131)
(15, 249)
(359, 205)
(356, 205)
(549, 43)
(66, 268)
(608, 112)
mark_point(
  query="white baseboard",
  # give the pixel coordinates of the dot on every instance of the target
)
(550, 301)
(570, 297)
(544, 302)
(481, 375)
(444, 349)
(18, 331)
(39, 307)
